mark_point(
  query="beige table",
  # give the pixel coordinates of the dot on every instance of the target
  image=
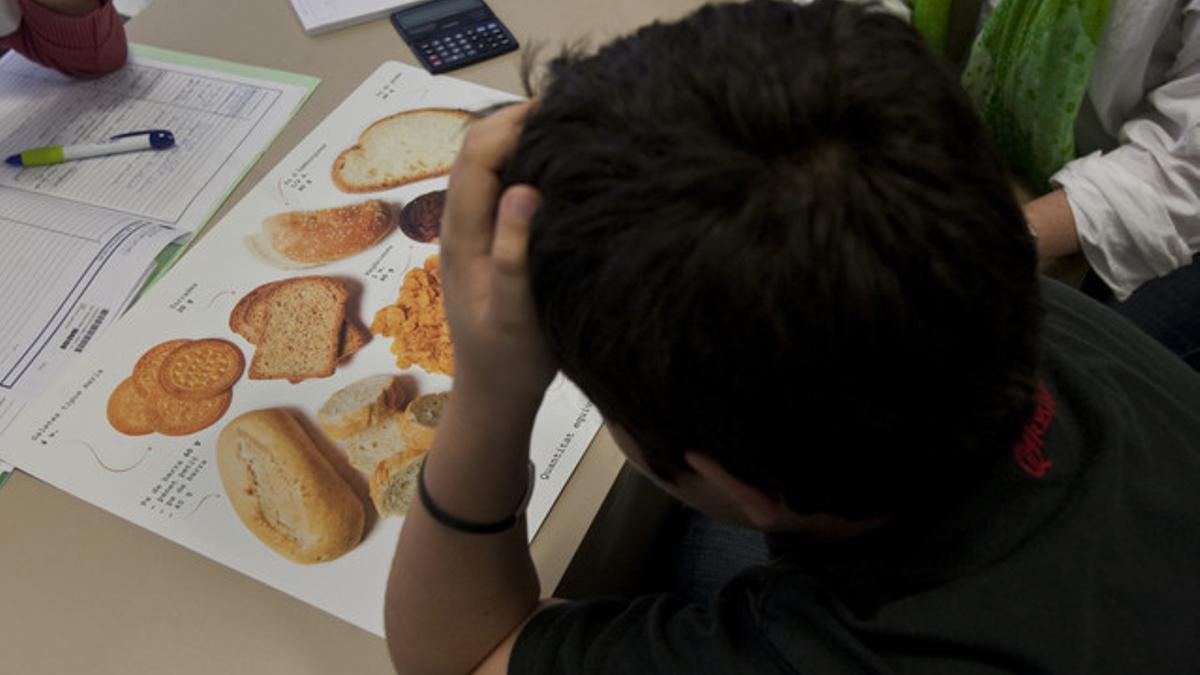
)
(82, 591)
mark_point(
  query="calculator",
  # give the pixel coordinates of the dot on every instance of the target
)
(450, 34)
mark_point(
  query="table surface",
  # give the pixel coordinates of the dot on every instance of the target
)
(84, 591)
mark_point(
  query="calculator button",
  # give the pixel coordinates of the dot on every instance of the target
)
(491, 25)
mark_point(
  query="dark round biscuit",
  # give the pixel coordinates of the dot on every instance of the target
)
(421, 219)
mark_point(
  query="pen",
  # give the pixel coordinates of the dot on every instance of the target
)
(151, 139)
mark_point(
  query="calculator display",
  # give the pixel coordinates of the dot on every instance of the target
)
(434, 11)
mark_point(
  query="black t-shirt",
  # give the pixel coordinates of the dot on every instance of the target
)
(1082, 559)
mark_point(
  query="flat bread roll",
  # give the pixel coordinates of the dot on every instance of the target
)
(299, 239)
(284, 490)
(402, 149)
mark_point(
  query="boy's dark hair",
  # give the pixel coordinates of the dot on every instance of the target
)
(778, 235)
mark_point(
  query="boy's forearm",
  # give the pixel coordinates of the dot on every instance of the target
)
(452, 596)
(1051, 219)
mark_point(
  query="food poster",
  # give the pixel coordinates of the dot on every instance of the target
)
(268, 403)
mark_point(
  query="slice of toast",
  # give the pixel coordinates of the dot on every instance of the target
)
(249, 317)
(401, 149)
(351, 339)
(302, 331)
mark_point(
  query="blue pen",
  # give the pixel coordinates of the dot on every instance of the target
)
(151, 139)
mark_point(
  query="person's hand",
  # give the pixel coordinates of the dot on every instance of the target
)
(485, 238)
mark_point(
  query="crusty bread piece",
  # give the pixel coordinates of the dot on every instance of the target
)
(299, 239)
(393, 484)
(401, 149)
(372, 445)
(303, 325)
(420, 420)
(368, 401)
(284, 490)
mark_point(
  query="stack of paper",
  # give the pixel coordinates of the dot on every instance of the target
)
(320, 16)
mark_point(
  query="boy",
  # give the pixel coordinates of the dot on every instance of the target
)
(774, 246)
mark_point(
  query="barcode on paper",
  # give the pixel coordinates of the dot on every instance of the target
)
(91, 331)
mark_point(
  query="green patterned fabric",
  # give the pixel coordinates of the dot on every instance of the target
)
(1027, 75)
(932, 19)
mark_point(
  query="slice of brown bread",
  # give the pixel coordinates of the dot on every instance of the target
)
(351, 339)
(303, 323)
(249, 317)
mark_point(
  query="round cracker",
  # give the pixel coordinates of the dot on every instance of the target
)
(179, 417)
(201, 369)
(145, 372)
(129, 411)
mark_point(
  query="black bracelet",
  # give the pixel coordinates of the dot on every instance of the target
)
(468, 527)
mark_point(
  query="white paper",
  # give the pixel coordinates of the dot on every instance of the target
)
(80, 237)
(170, 485)
(320, 16)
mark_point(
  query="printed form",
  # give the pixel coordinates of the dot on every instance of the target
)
(81, 237)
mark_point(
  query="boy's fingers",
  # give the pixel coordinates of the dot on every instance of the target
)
(510, 248)
(475, 183)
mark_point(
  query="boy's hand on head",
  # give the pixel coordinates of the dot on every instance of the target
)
(498, 345)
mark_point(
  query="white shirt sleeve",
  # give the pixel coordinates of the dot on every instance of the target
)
(10, 17)
(1137, 207)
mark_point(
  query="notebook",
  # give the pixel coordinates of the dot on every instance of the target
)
(322, 16)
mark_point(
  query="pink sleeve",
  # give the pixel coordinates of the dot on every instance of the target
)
(86, 46)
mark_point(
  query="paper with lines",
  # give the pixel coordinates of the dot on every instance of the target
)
(81, 237)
